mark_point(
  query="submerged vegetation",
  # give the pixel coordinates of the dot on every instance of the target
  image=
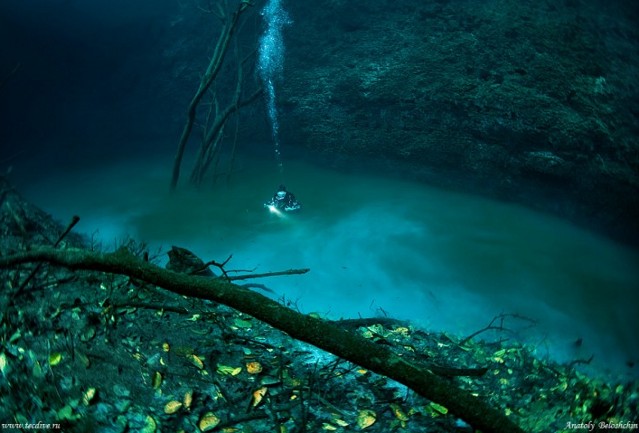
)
(95, 351)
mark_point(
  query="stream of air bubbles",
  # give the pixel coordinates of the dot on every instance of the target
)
(271, 63)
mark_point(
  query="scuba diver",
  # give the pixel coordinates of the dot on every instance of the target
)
(283, 201)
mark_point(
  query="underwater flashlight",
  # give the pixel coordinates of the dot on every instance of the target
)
(272, 209)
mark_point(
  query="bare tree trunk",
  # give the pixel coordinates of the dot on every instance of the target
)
(205, 83)
(212, 138)
(320, 333)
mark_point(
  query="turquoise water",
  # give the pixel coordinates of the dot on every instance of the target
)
(447, 261)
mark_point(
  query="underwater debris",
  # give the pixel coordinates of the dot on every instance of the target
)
(184, 261)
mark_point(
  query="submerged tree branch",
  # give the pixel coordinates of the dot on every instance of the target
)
(269, 274)
(205, 83)
(320, 333)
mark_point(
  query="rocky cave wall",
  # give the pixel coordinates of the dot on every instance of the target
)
(531, 101)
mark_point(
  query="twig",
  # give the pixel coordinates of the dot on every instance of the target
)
(491, 326)
(35, 270)
(241, 270)
(581, 361)
(387, 322)
(270, 274)
(254, 415)
(213, 263)
(158, 307)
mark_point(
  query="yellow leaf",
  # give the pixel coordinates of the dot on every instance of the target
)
(329, 427)
(228, 370)
(366, 418)
(258, 396)
(208, 422)
(157, 380)
(340, 422)
(399, 414)
(55, 358)
(195, 360)
(378, 330)
(253, 367)
(88, 396)
(402, 330)
(149, 425)
(172, 407)
(500, 353)
(437, 408)
(563, 386)
(188, 399)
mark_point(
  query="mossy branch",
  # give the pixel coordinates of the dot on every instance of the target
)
(323, 334)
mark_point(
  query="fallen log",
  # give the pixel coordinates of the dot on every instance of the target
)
(323, 334)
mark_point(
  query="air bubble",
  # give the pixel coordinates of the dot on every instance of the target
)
(271, 63)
